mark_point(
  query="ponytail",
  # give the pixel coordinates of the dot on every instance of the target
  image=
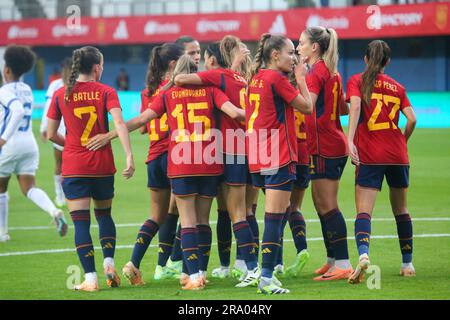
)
(66, 67)
(158, 66)
(74, 71)
(331, 55)
(377, 54)
(257, 64)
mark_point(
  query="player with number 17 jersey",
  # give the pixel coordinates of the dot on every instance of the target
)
(378, 138)
(85, 115)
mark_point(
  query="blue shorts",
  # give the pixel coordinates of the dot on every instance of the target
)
(303, 178)
(326, 168)
(371, 176)
(97, 188)
(236, 171)
(157, 173)
(204, 186)
(279, 180)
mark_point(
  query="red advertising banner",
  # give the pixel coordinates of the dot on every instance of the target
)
(358, 22)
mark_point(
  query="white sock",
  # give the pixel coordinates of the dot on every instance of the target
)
(41, 199)
(264, 281)
(58, 188)
(194, 276)
(4, 213)
(364, 256)
(331, 261)
(407, 265)
(108, 262)
(91, 277)
(342, 264)
(240, 264)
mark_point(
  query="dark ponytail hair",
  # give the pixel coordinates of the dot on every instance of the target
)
(159, 64)
(266, 45)
(213, 50)
(66, 66)
(83, 60)
(377, 54)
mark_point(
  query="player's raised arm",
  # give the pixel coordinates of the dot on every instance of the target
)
(303, 102)
(17, 112)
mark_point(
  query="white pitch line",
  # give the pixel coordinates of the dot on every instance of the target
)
(26, 253)
(127, 225)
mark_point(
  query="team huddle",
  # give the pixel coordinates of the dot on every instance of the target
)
(270, 123)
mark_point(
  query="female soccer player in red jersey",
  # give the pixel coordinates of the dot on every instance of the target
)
(271, 141)
(218, 60)
(327, 144)
(194, 183)
(162, 62)
(378, 148)
(87, 175)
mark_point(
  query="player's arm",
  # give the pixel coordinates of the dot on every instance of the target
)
(124, 138)
(411, 120)
(102, 139)
(44, 121)
(304, 101)
(52, 132)
(186, 79)
(239, 59)
(233, 112)
(17, 112)
(353, 118)
(343, 107)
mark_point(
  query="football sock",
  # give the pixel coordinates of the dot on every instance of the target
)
(83, 241)
(223, 229)
(107, 231)
(255, 231)
(191, 252)
(330, 253)
(3, 213)
(244, 240)
(204, 245)
(58, 187)
(279, 259)
(337, 231)
(362, 232)
(271, 242)
(405, 236)
(176, 250)
(41, 199)
(298, 229)
(166, 235)
(144, 237)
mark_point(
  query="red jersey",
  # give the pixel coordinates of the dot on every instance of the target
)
(157, 129)
(85, 114)
(300, 132)
(271, 140)
(235, 87)
(378, 138)
(194, 149)
(325, 135)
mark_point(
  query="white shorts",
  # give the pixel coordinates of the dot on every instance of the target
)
(19, 164)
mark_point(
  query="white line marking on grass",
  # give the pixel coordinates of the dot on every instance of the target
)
(26, 253)
(127, 225)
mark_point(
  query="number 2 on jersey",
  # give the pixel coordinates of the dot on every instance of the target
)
(90, 124)
(383, 100)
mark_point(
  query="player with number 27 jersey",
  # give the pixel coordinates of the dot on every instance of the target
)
(378, 138)
(85, 115)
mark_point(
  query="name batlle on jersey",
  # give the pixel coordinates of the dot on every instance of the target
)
(86, 96)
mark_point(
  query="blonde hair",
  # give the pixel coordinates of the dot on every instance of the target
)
(327, 40)
(185, 65)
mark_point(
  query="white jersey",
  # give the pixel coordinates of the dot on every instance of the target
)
(22, 140)
(52, 88)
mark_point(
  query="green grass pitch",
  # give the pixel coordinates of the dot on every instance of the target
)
(44, 276)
